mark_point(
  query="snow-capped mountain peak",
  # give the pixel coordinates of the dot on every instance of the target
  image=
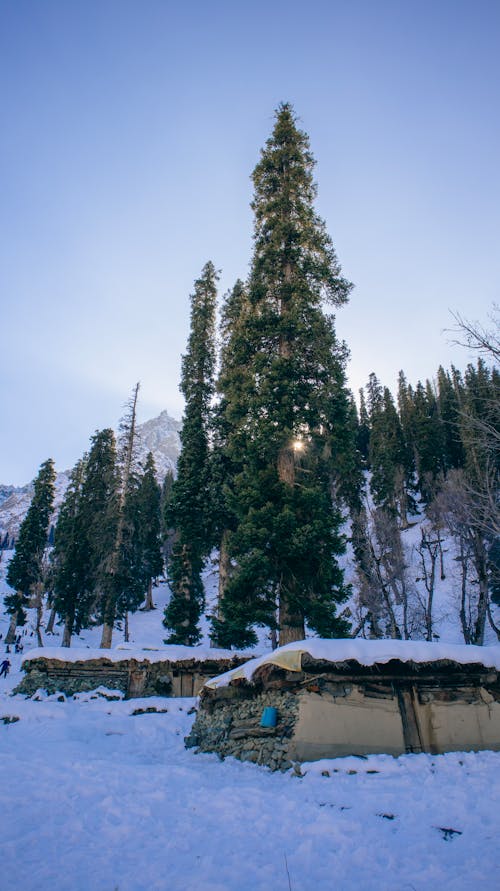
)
(159, 435)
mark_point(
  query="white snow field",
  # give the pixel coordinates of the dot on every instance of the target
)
(94, 798)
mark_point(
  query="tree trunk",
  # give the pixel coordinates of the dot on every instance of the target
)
(11, 633)
(291, 623)
(107, 636)
(290, 620)
(402, 497)
(463, 595)
(441, 557)
(39, 613)
(50, 624)
(482, 610)
(68, 627)
(149, 605)
(286, 465)
(395, 629)
(406, 633)
(481, 567)
(127, 636)
(224, 570)
(495, 627)
(224, 576)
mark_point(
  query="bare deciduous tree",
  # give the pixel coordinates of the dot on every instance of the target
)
(457, 504)
(386, 599)
(428, 551)
(474, 336)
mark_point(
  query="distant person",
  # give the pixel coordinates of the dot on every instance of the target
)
(4, 668)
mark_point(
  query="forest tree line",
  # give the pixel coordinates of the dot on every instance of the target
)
(279, 466)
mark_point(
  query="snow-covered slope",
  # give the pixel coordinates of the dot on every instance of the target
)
(97, 795)
(108, 798)
(159, 435)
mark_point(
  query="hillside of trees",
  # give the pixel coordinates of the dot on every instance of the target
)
(281, 468)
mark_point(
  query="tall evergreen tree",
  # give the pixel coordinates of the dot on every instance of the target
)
(128, 577)
(72, 594)
(115, 577)
(149, 528)
(167, 532)
(428, 439)
(226, 463)
(98, 517)
(363, 437)
(26, 569)
(406, 410)
(449, 412)
(375, 394)
(390, 460)
(283, 404)
(190, 505)
(341, 444)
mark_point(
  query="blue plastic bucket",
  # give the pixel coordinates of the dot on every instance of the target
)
(269, 717)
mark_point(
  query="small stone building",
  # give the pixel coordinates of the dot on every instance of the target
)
(353, 697)
(169, 671)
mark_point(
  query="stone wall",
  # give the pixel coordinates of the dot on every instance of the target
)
(132, 677)
(328, 711)
(233, 728)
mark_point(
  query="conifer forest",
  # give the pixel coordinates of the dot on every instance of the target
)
(289, 510)
(285, 477)
(250, 446)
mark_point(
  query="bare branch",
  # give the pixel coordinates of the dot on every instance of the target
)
(474, 336)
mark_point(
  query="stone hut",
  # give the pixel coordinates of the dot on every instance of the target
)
(165, 671)
(330, 698)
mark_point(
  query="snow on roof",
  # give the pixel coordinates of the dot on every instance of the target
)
(167, 653)
(364, 652)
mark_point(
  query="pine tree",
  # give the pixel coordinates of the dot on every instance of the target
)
(190, 508)
(149, 528)
(114, 579)
(449, 412)
(139, 559)
(70, 579)
(98, 518)
(224, 463)
(128, 577)
(167, 532)
(346, 469)
(26, 569)
(375, 395)
(390, 460)
(428, 438)
(406, 411)
(363, 437)
(283, 405)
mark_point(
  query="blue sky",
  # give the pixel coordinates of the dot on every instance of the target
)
(129, 133)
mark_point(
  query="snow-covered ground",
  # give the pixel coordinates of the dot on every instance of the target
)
(95, 798)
